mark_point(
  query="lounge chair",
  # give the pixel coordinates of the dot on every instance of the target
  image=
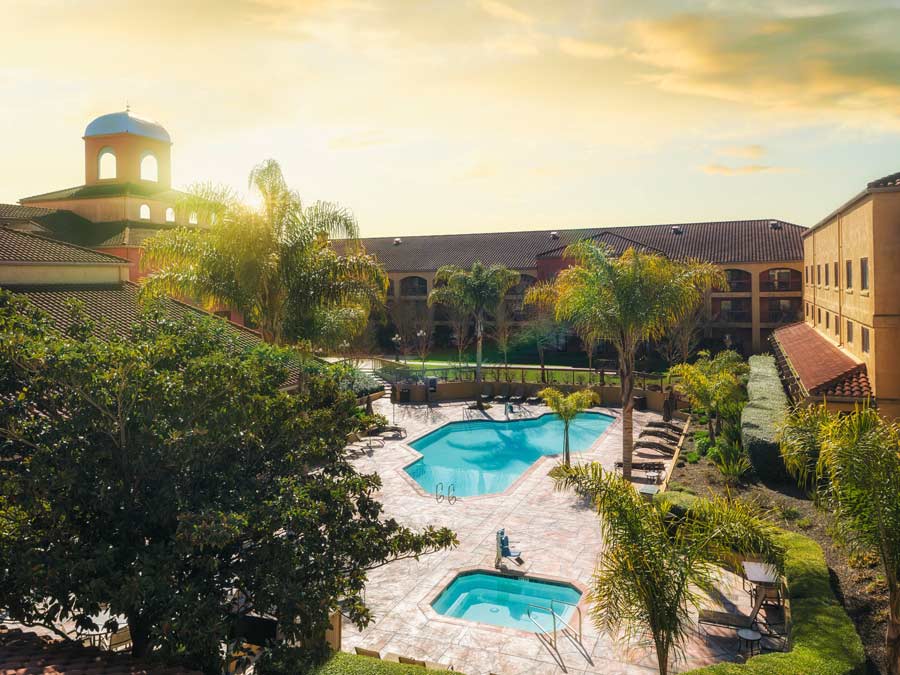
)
(656, 432)
(654, 470)
(728, 619)
(503, 396)
(487, 393)
(534, 400)
(369, 441)
(673, 426)
(519, 396)
(371, 653)
(650, 444)
(392, 429)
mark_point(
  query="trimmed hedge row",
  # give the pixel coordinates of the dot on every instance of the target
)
(767, 406)
(823, 638)
(342, 663)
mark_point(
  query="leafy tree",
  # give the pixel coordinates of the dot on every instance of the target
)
(625, 301)
(681, 340)
(713, 383)
(567, 406)
(167, 477)
(477, 291)
(502, 333)
(274, 264)
(541, 331)
(654, 562)
(854, 459)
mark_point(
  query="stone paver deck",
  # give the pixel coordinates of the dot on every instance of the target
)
(558, 534)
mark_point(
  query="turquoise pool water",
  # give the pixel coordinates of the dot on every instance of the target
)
(505, 601)
(482, 457)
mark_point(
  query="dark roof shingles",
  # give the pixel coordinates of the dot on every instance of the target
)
(890, 181)
(27, 247)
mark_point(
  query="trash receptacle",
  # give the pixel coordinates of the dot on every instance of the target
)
(640, 402)
(404, 395)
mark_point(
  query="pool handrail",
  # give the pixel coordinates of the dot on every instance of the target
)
(563, 621)
(543, 630)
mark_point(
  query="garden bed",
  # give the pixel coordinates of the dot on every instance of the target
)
(858, 584)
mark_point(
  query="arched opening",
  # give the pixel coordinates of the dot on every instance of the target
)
(781, 279)
(526, 281)
(192, 219)
(145, 212)
(170, 215)
(739, 281)
(106, 164)
(149, 167)
(413, 286)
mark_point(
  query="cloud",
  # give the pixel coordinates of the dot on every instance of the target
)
(724, 170)
(844, 66)
(586, 49)
(754, 151)
(501, 10)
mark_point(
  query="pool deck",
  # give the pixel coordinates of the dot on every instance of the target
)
(560, 539)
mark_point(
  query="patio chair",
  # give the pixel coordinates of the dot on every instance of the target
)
(504, 551)
(487, 393)
(369, 441)
(659, 446)
(393, 429)
(728, 619)
(519, 396)
(371, 653)
(663, 434)
(534, 399)
(503, 396)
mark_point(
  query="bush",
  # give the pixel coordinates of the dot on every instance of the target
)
(342, 663)
(355, 380)
(692, 457)
(702, 443)
(679, 501)
(823, 638)
(731, 461)
(767, 407)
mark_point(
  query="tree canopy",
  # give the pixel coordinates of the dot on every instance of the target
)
(167, 478)
(713, 383)
(274, 264)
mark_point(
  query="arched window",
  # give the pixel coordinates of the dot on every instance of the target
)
(192, 219)
(106, 164)
(145, 212)
(739, 281)
(149, 167)
(781, 280)
(415, 286)
(170, 215)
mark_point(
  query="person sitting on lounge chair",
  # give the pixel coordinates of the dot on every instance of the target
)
(504, 550)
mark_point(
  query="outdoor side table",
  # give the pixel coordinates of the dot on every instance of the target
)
(764, 578)
(749, 641)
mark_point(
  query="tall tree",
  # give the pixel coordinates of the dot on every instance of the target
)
(654, 563)
(479, 289)
(273, 263)
(542, 332)
(502, 328)
(625, 300)
(567, 406)
(166, 477)
(854, 460)
(713, 383)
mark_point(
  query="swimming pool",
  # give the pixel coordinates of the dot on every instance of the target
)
(505, 601)
(479, 457)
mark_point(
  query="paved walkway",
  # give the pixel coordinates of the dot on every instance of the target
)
(557, 532)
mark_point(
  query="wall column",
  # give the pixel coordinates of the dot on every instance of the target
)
(754, 312)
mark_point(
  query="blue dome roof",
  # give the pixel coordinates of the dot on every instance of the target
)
(126, 123)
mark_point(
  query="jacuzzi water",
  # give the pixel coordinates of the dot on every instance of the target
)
(482, 457)
(505, 601)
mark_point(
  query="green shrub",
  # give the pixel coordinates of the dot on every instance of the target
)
(702, 444)
(823, 638)
(767, 407)
(342, 663)
(679, 501)
(692, 457)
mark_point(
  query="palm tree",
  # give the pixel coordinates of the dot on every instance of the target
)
(854, 461)
(712, 383)
(654, 562)
(478, 291)
(274, 264)
(567, 406)
(625, 301)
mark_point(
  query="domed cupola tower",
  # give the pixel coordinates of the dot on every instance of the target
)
(124, 148)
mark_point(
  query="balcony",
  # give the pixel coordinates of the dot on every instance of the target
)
(733, 316)
(782, 316)
(777, 285)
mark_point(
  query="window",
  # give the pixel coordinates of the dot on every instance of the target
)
(849, 331)
(806, 271)
(145, 212)
(827, 319)
(413, 286)
(739, 281)
(826, 275)
(848, 275)
(836, 283)
(864, 273)
(170, 215)
(149, 167)
(819, 274)
(865, 339)
(837, 326)
(820, 316)
(781, 280)
(106, 164)
(192, 219)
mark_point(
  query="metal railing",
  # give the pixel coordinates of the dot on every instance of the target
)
(563, 621)
(544, 631)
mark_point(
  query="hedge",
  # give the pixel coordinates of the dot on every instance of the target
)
(823, 638)
(760, 418)
(342, 663)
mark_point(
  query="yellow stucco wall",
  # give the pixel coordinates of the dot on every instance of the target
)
(39, 275)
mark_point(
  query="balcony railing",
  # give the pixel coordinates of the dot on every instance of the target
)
(771, 285)
(782, 316)
(733, 316)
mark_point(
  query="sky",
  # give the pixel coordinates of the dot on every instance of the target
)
(429, 116)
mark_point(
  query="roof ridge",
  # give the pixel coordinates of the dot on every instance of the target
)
(65, 244)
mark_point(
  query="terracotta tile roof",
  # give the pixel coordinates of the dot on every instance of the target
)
(27, 247)
(107, 190)
(19, 212)
(26, 653)
(719, 242)
(886, 181)
(818, 366)
(115, 308)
